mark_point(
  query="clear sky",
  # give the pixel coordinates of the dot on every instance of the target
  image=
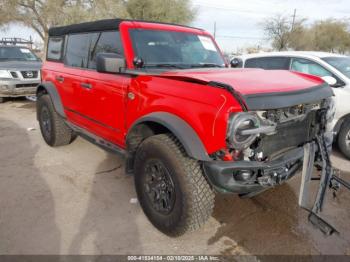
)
(238, 21)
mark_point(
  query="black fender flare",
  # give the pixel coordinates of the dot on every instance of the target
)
(181, 129)
(51, 89)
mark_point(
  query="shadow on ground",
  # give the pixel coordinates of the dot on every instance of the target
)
(272, 223)
(110, 217)
(27, 208)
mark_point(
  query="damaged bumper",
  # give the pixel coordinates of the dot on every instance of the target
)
(244, 177)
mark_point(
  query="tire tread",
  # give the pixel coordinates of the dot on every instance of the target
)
(199, 198)
(345, 128)
(62, 134)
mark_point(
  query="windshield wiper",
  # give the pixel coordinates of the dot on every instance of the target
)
(164, 65)
(206, 65)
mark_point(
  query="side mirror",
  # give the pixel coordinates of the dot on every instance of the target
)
(330, 80)
(236, 62)
(109, 63)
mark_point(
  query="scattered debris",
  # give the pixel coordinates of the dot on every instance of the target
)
(31, 128)
(31, 98)
(133, 201)
(108, 171)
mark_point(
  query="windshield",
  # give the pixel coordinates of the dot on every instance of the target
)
(175, 49)
(17, 54)
(340, 63)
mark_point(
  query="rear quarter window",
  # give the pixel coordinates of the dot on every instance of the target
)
(268, 63)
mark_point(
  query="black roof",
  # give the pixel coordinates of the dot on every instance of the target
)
(107, 24)
(100, 25)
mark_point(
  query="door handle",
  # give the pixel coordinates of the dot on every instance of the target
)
(60, 79)
(86, 85)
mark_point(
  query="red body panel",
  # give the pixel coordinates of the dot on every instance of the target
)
(204, 108)
(105, 110)
(252, 81)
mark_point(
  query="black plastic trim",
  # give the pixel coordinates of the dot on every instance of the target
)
(237, 95)
(220, 173)
(106, 24)
(277, 100)
(93, 120)
(97, 140)
(55, 97)
(182, 130)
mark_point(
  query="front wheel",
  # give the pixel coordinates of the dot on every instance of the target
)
(344, 139)
(171, 187)
(53, 128)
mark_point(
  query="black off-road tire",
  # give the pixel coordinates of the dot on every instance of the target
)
(194, 199)
(344, 139)
(2, 100)
(53, 128)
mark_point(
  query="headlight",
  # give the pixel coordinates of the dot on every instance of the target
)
(238, 123)
(5, 74)
(244, 128)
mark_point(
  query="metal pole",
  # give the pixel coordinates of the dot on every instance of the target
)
(294, 15)
(215, 30)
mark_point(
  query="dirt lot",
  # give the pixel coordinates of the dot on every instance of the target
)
(76, 200)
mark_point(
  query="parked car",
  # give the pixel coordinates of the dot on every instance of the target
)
(19, 72)
(333, 68)
(161, 95)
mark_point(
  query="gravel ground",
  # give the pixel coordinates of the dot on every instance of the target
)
(78, 200)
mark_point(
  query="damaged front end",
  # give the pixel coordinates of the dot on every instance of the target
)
(269, 147)
(266, 147)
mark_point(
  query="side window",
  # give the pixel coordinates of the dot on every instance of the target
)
(309, 67)
(254, 63)
(77, 50)
(107, 42)
(54, 48)
(268, 63)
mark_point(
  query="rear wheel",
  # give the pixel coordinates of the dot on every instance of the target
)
(171, 186)
(53, 128)
(344, 139)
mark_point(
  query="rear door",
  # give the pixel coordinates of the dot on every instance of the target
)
(308, 66)
(75, 69)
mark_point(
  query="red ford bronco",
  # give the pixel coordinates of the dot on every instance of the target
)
(162, 95)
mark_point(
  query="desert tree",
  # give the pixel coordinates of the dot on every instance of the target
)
(171, 11)
(277, 29)
(40, 15)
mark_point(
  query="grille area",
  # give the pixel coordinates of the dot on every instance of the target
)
(289, 134)
(29, 74)
(26, 85)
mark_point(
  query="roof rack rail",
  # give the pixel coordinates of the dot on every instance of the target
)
(16, 41)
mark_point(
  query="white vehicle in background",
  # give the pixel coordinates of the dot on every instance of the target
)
(333, 68)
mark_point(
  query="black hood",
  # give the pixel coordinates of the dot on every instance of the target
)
(20, 65)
